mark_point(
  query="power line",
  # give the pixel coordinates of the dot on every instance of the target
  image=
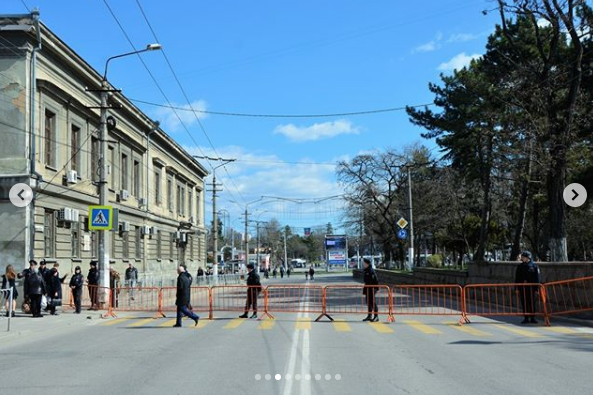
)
(252, 115)
(25, 5)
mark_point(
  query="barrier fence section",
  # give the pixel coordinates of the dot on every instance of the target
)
(7, 298)
(199, 297)
(294, 299)
(234, 297)
(569, 296)
(357, 299)
(488, 300)
(129, 298)
(441, 300)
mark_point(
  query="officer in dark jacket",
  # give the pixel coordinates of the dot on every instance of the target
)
(528, 272)
(93, 282)
(253, 290)
(182, 299)
(370, 291)
(35, 287)
(54, 291)
(76, 283)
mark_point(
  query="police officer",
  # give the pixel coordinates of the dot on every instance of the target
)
(528, 273)
(370, 290)
(253, 290)
(35, 286)
(76, 283)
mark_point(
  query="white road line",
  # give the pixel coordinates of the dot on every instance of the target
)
(291, 363)
(305, 365)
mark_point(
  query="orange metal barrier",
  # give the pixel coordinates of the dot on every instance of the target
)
(352, 299)
(428, 300)
(67, 297)
(134, 299)
(294, 299)
(569, 296)
(233, 298)
(199, 298)
(499, 300)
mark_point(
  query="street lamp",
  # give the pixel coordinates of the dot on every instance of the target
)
(103, 190)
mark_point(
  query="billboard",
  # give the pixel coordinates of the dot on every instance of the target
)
(336, 247)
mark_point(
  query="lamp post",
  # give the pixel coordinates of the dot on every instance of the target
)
(103, 190)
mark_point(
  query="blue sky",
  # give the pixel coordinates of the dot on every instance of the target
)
(279, 57)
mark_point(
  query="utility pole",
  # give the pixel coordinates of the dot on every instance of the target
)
(411, 249)
(257, 252)
(285, 251)
(245, 238)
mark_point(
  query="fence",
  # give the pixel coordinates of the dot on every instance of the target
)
(568, 297)
(294, 299)
(7, 305)
(357, 299)
(445, 300)
(199, 296)
(233, 298)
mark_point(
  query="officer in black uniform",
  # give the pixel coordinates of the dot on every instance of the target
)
(35, 286)
(253, 290)
(528, 273)
(370, 280)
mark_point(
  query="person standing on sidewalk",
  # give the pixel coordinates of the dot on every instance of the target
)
(76, 283)
(253, 289)
(311, 273)
(131, 279)
(9, 282)
(370, 290)
(54, 291)
(35, 288)
(93, 284)
(528, 273)
(182, 300)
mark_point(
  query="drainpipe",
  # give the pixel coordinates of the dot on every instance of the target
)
(32, 109)
(153, 129)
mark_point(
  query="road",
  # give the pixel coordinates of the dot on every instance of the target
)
(72, 354)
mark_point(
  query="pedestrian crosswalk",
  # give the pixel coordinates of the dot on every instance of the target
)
(350, 327)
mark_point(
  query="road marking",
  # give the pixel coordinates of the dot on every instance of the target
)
(291, 362)
(419, 326)
(517, 331)
(380, 327)
(117, 321)
(569, 331)
(234, 324)
(267, 324)
(341, 326)
(168, 323)
(202, 323)
(141, 322)
(467, 329)
(305, 364)
(303, 324)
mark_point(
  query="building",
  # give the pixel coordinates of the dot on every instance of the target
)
(49, 120)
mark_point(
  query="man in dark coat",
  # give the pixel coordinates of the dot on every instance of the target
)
(182, 300)
(93, 283)
(76, 283)
(528, 273)
(370, 290)
(35, 286)
(54, 291)
(253, 290)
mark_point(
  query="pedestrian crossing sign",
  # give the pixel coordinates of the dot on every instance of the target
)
(100, 217)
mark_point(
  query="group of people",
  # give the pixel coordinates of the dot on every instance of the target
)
(277, 270)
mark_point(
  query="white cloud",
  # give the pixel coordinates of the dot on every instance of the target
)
(316, 131)
(430, 46)
(461, 37)
(171, 122)
(458, 62)
(543, 23)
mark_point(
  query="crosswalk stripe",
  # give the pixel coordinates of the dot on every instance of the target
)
(267, 324)
(303, 324)
(141, 322)
(341, 326)
(202, 323)
(517, 331)
(234, 324)
(380, 327)
(116, 321)
(419, 326)
(168, 323)
(569, 331)
(467, 329)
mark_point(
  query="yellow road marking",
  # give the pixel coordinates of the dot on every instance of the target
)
(303, 324)
(234, 324)
(168, 323)
(419, 326)
(341, 326)
(141, 322)
(467, 329)
(202, 323)
(380, 327)
(569, 331)
(517, 331)
(267, 324)
(116, 321)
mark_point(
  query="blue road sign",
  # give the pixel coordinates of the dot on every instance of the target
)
(402, 234)
(100, 217)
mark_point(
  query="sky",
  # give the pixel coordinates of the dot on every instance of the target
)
(277, 57)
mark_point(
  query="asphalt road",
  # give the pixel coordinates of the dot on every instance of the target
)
(136, 354)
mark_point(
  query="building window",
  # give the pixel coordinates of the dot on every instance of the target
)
(182, 201)
(49, 234)
(112, 166)
(170, 194)
(94, 176)
(75, 147)
(178, 201)
(94, 245)
(50, 139)
(75, 232)
(171, 244)
(198, 207)
(190, 201)
(125, 245)
(113, 241)
(138, 236)
(157, 187)
(190, 241)
(159, 244)
(136, 179)
(124, 171)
